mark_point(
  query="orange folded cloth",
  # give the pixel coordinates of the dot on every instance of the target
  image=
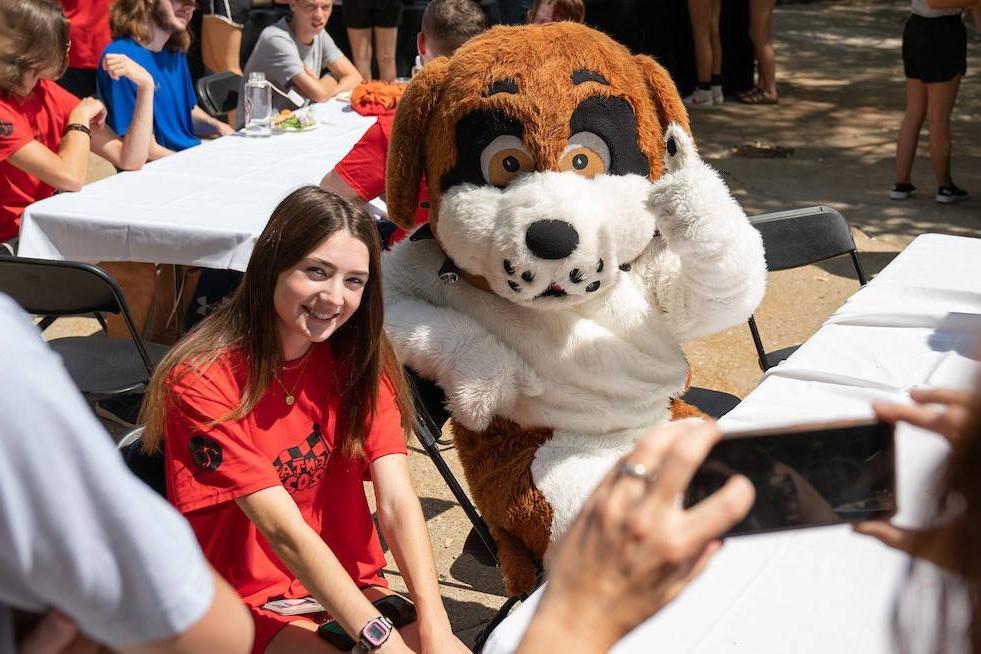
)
(376, 98)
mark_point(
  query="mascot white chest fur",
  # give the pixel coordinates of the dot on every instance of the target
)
(575, 240)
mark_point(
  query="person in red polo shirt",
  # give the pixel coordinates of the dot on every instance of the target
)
(46, 133)
(88, 30)
(446, 25)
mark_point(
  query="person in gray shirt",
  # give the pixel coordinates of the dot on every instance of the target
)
(84, 542)
(294, 53)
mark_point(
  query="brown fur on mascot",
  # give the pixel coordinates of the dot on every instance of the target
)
(575, 240)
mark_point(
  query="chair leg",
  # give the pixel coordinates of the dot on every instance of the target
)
(758, 342)
(503, 612)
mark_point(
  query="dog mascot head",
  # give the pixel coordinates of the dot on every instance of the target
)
(538, 145)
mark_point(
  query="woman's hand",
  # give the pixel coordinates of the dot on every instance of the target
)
(117, 66)
(441, 640)
(88, 111)
(948, 417)
(394, 645)
(633, 547)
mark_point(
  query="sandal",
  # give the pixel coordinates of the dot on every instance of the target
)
(756, 95)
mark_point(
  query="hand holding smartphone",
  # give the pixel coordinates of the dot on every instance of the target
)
(807, 475)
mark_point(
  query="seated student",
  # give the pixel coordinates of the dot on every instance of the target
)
(446, 25)
(294, 52)
(154, 34)
(46, 133)
(273, 412)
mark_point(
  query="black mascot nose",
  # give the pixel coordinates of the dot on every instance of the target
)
(551, 239)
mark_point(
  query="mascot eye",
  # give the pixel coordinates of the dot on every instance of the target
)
(503, 159)
(586, 154)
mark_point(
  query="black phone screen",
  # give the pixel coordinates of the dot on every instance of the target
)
(807, 475)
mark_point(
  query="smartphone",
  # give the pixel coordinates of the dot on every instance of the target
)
(806, 475)
(394, 607)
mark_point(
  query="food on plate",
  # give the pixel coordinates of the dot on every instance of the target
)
(293, 120)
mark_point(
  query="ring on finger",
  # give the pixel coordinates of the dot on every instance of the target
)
(637, 471)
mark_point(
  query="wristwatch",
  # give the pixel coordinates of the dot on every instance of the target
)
(374, 634)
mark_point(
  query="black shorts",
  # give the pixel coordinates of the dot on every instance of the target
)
(365, 14)
(235, 12)
(934, 49)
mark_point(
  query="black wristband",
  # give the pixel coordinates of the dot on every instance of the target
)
(78, 127)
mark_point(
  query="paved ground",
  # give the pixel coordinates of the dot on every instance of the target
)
(841, 103)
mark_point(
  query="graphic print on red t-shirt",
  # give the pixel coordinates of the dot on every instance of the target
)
(302, 466)
(211, 464)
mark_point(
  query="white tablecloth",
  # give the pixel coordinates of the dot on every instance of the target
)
(827, 589)
(204, 206)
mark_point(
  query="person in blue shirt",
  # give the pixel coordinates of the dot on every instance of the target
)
(154, 34)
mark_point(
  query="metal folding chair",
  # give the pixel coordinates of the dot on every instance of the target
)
(796, 238)
(100, 366)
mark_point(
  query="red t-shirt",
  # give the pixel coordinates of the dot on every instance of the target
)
(41, 117)
(293, 446)
(363, 168)
(88, 28)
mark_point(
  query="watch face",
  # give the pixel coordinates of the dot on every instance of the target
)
(376, 632)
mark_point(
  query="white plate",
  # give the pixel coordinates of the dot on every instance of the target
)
(283, 130)
(343, 96)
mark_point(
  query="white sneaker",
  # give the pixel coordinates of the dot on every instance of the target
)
(717, 97)
(700, 98)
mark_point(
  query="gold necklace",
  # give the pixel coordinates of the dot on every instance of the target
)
(290, 394)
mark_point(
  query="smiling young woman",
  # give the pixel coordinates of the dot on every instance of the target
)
(273, 411)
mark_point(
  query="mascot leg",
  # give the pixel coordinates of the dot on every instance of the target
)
(497, 465)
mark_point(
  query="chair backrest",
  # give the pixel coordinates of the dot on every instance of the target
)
(59, 288)
(803, 236)
(800, 237)
(66, 288)
(218, 93)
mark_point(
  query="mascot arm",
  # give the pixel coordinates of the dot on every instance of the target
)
(479, 374)
(710, 273)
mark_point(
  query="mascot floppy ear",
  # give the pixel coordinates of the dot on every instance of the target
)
(663, 92)
(407, 149)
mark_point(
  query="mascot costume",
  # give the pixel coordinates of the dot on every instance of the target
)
(575, 239)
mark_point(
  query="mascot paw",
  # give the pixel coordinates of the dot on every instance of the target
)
(487, 382)
(689, 192)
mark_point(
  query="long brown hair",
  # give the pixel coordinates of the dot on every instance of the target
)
(132, 19)
(249, 323)
(34, 37)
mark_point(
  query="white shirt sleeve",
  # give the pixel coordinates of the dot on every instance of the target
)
(78, 532)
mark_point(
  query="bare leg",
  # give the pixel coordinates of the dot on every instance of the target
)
(761, 33)
(909, 131)
(715, 39)
(220, 45)
(361, 50)
(700, 14)
(940, 104)
(385, 39)
(301, 637)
